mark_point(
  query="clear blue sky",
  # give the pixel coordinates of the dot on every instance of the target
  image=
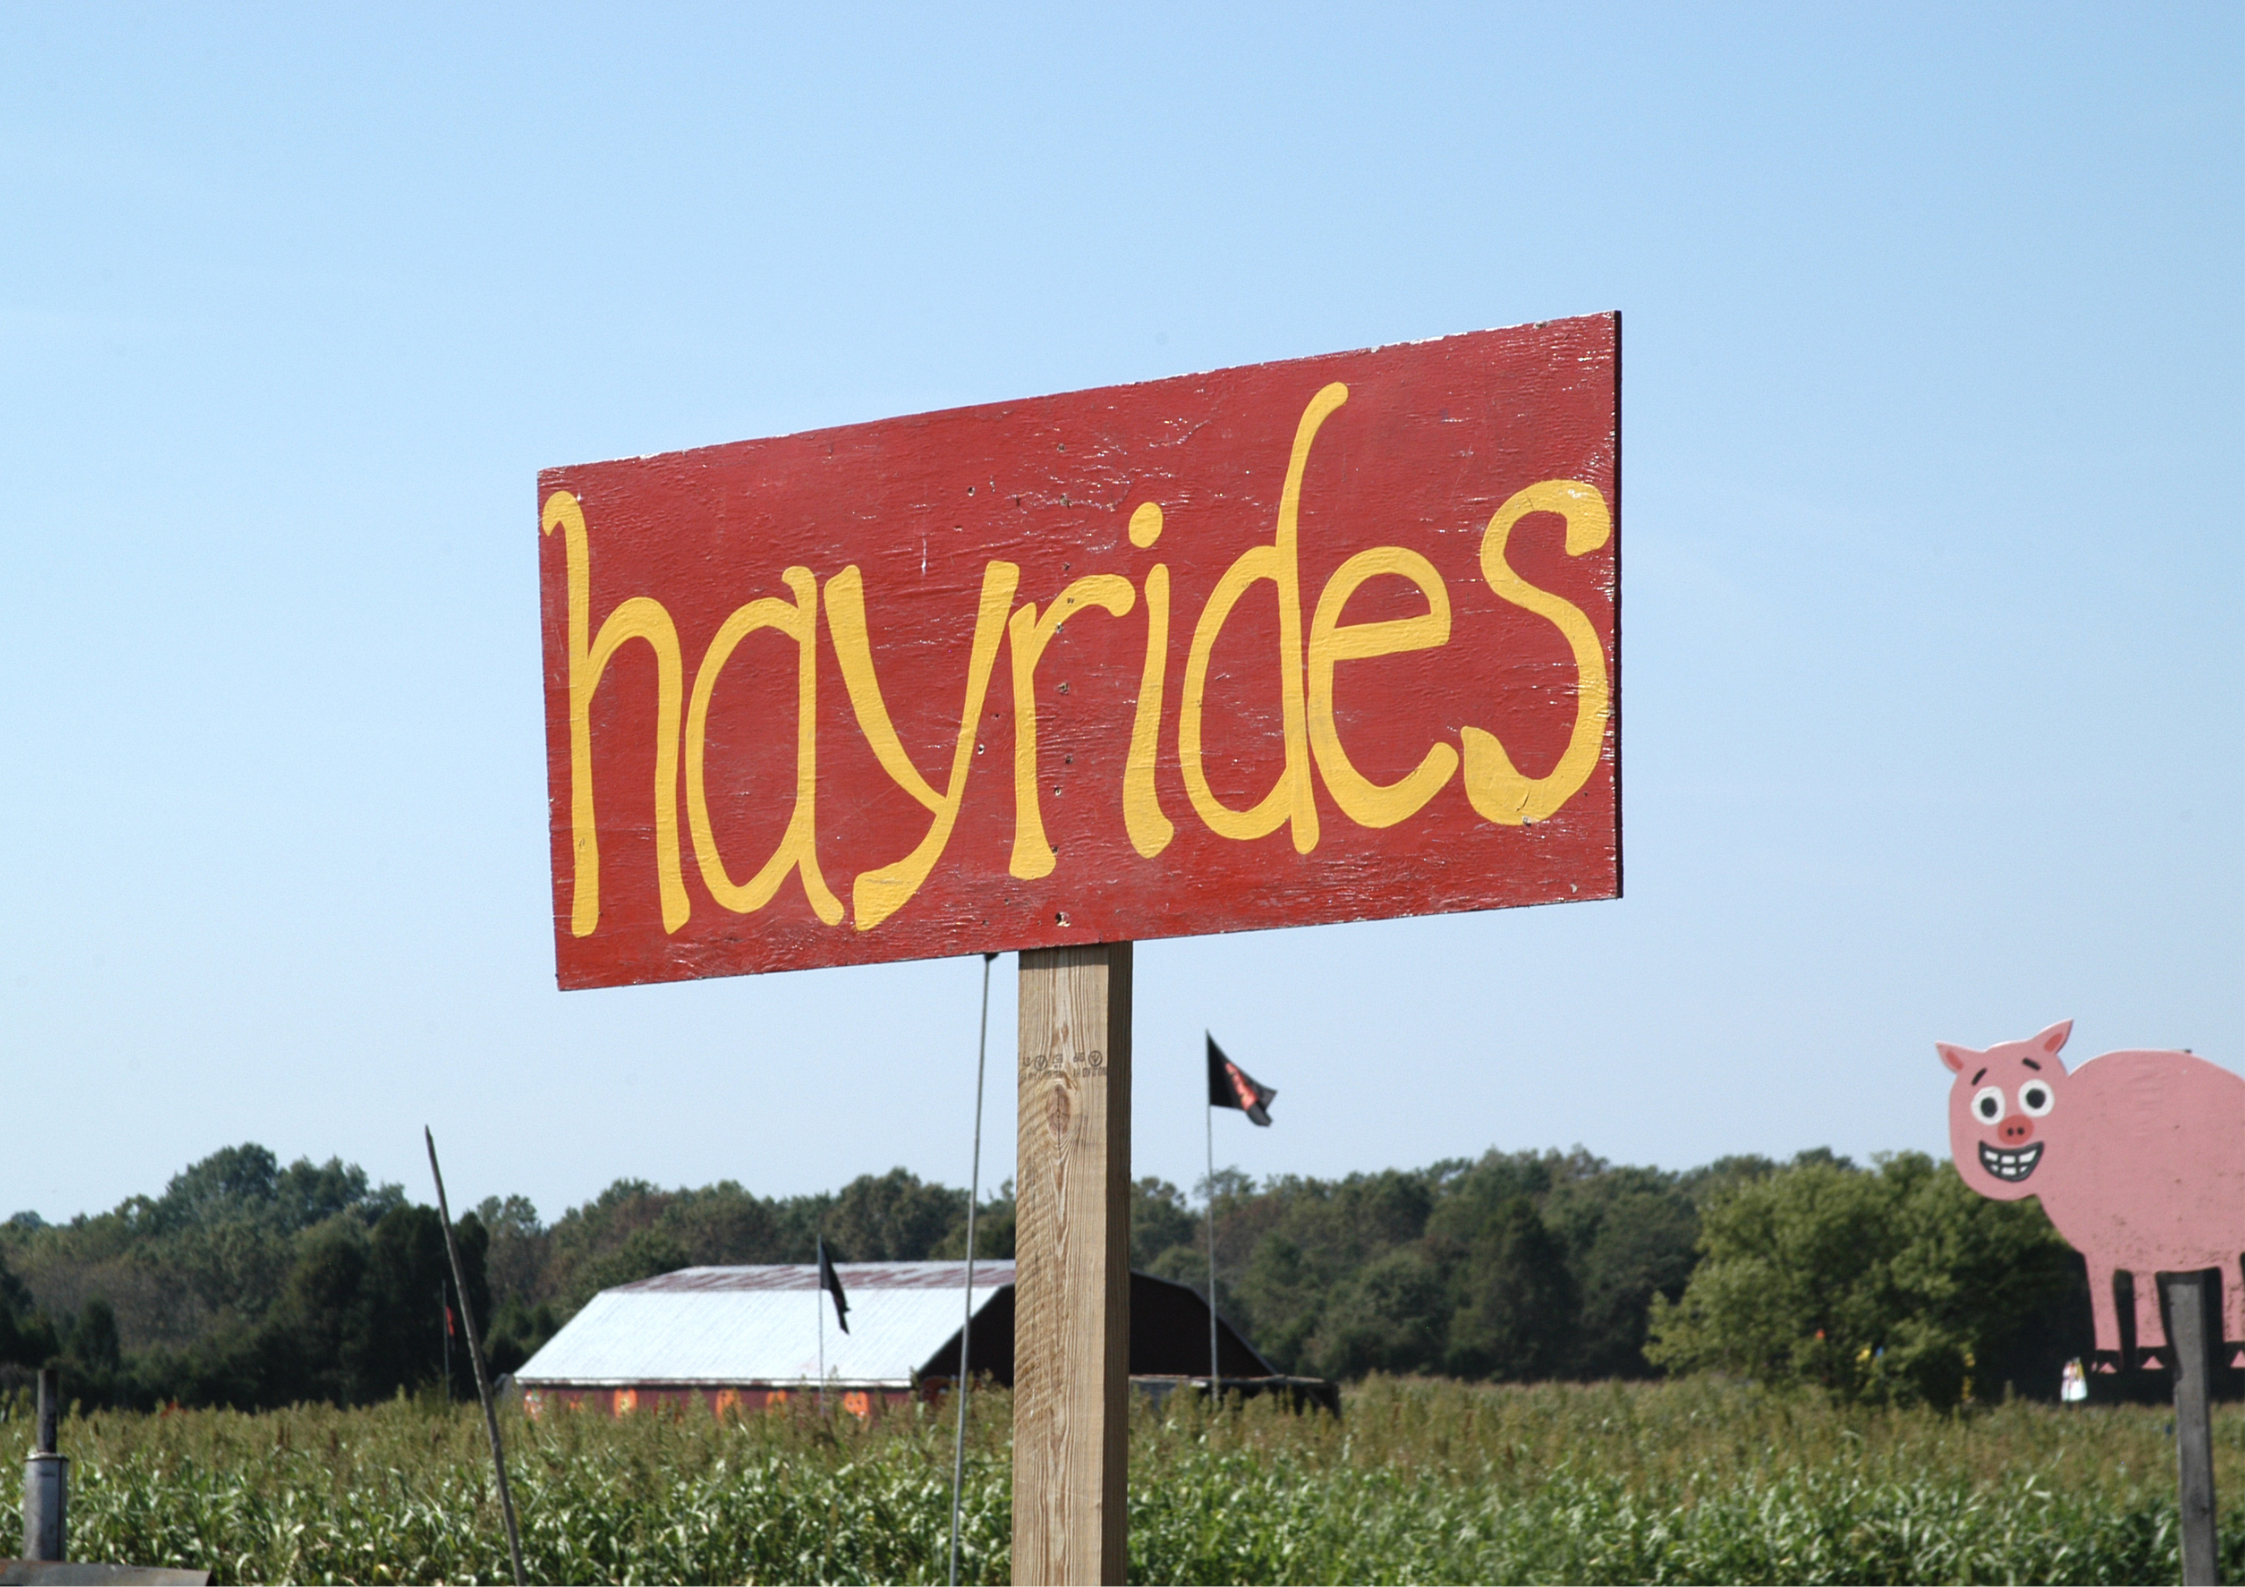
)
(1933, 567)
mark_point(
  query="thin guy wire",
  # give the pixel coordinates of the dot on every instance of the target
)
(966, 1327)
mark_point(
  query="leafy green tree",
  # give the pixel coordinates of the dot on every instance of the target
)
(233, 1182)
(518, 1332)
(1285, 1290)
(515, 1263)
(21, 1344)
(1469, 1195)
(361, 1315)
(1891, 1283)
(646, 1253)
(314, 1346)
(1712, 1182)
(14, 1297)
(234, 1264)
(1333, 1231)
(92, 1358)
(725, 1226)
(1631, 1234)
(1389, 1317)
(93, 1341)
(246, 1184)
(584, 1251)
(408, 1280)
(993, 1230)
(1518, 1304)
(234, 1365)
(249, 1283)
(407, 1286)
(893, 1217)
(1160, 1218)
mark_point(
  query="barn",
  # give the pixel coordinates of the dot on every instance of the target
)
(750, 1338)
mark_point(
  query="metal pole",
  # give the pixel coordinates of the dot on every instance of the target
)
(966, 1325)
(50, 1409)
(1215, 1386)
(2194, 1438)
(46, 1479)
(818, 1298)
(475, 1357)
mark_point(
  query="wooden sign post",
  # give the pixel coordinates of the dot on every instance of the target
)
(1071, 1360)
(1333, 639)
(2194, 1427)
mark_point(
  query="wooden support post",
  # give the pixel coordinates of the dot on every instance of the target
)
(1071, 1356)
(475, 1356)
(2194, 1435)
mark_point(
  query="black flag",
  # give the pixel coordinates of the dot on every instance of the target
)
(831, 1282)
(1230, 1086)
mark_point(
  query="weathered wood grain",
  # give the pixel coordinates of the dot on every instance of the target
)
(1072, 1244)
(2194, 1433)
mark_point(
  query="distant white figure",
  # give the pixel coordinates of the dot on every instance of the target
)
(2073, 1383)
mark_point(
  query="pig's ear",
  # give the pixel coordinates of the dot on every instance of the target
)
(2053, 1038)
(1954, 1057)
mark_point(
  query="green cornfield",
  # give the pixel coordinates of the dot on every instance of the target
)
(1697, 1481)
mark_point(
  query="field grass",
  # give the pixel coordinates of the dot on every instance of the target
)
(1687, 1481)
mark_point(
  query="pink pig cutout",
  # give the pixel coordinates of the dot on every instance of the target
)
(2139, 1158)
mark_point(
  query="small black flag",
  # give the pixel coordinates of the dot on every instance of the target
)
(831, 1282)
(1230, 1086)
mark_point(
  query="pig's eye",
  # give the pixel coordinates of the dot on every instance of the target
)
(2035, 1098)
(1987, 1104)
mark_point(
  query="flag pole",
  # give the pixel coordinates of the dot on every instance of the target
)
(966, 1325)
(1214, 1385)
(818, 1299)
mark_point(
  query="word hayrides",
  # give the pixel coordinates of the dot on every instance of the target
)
(1322, 640)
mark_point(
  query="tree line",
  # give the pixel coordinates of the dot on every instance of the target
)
(251, 1284)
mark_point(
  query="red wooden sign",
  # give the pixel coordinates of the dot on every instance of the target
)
(1332, 639)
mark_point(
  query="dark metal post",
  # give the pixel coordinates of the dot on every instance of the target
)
(46, 1479)
(2194, 1436)
(475, 1356)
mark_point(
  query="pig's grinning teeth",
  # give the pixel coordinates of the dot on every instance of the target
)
(2011, 1166)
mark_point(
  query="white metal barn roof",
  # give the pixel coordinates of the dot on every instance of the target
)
(713, 1326)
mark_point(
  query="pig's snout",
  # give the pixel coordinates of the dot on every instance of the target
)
(2015, 1131)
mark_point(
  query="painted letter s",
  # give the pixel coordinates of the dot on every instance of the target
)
(1498, 790)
